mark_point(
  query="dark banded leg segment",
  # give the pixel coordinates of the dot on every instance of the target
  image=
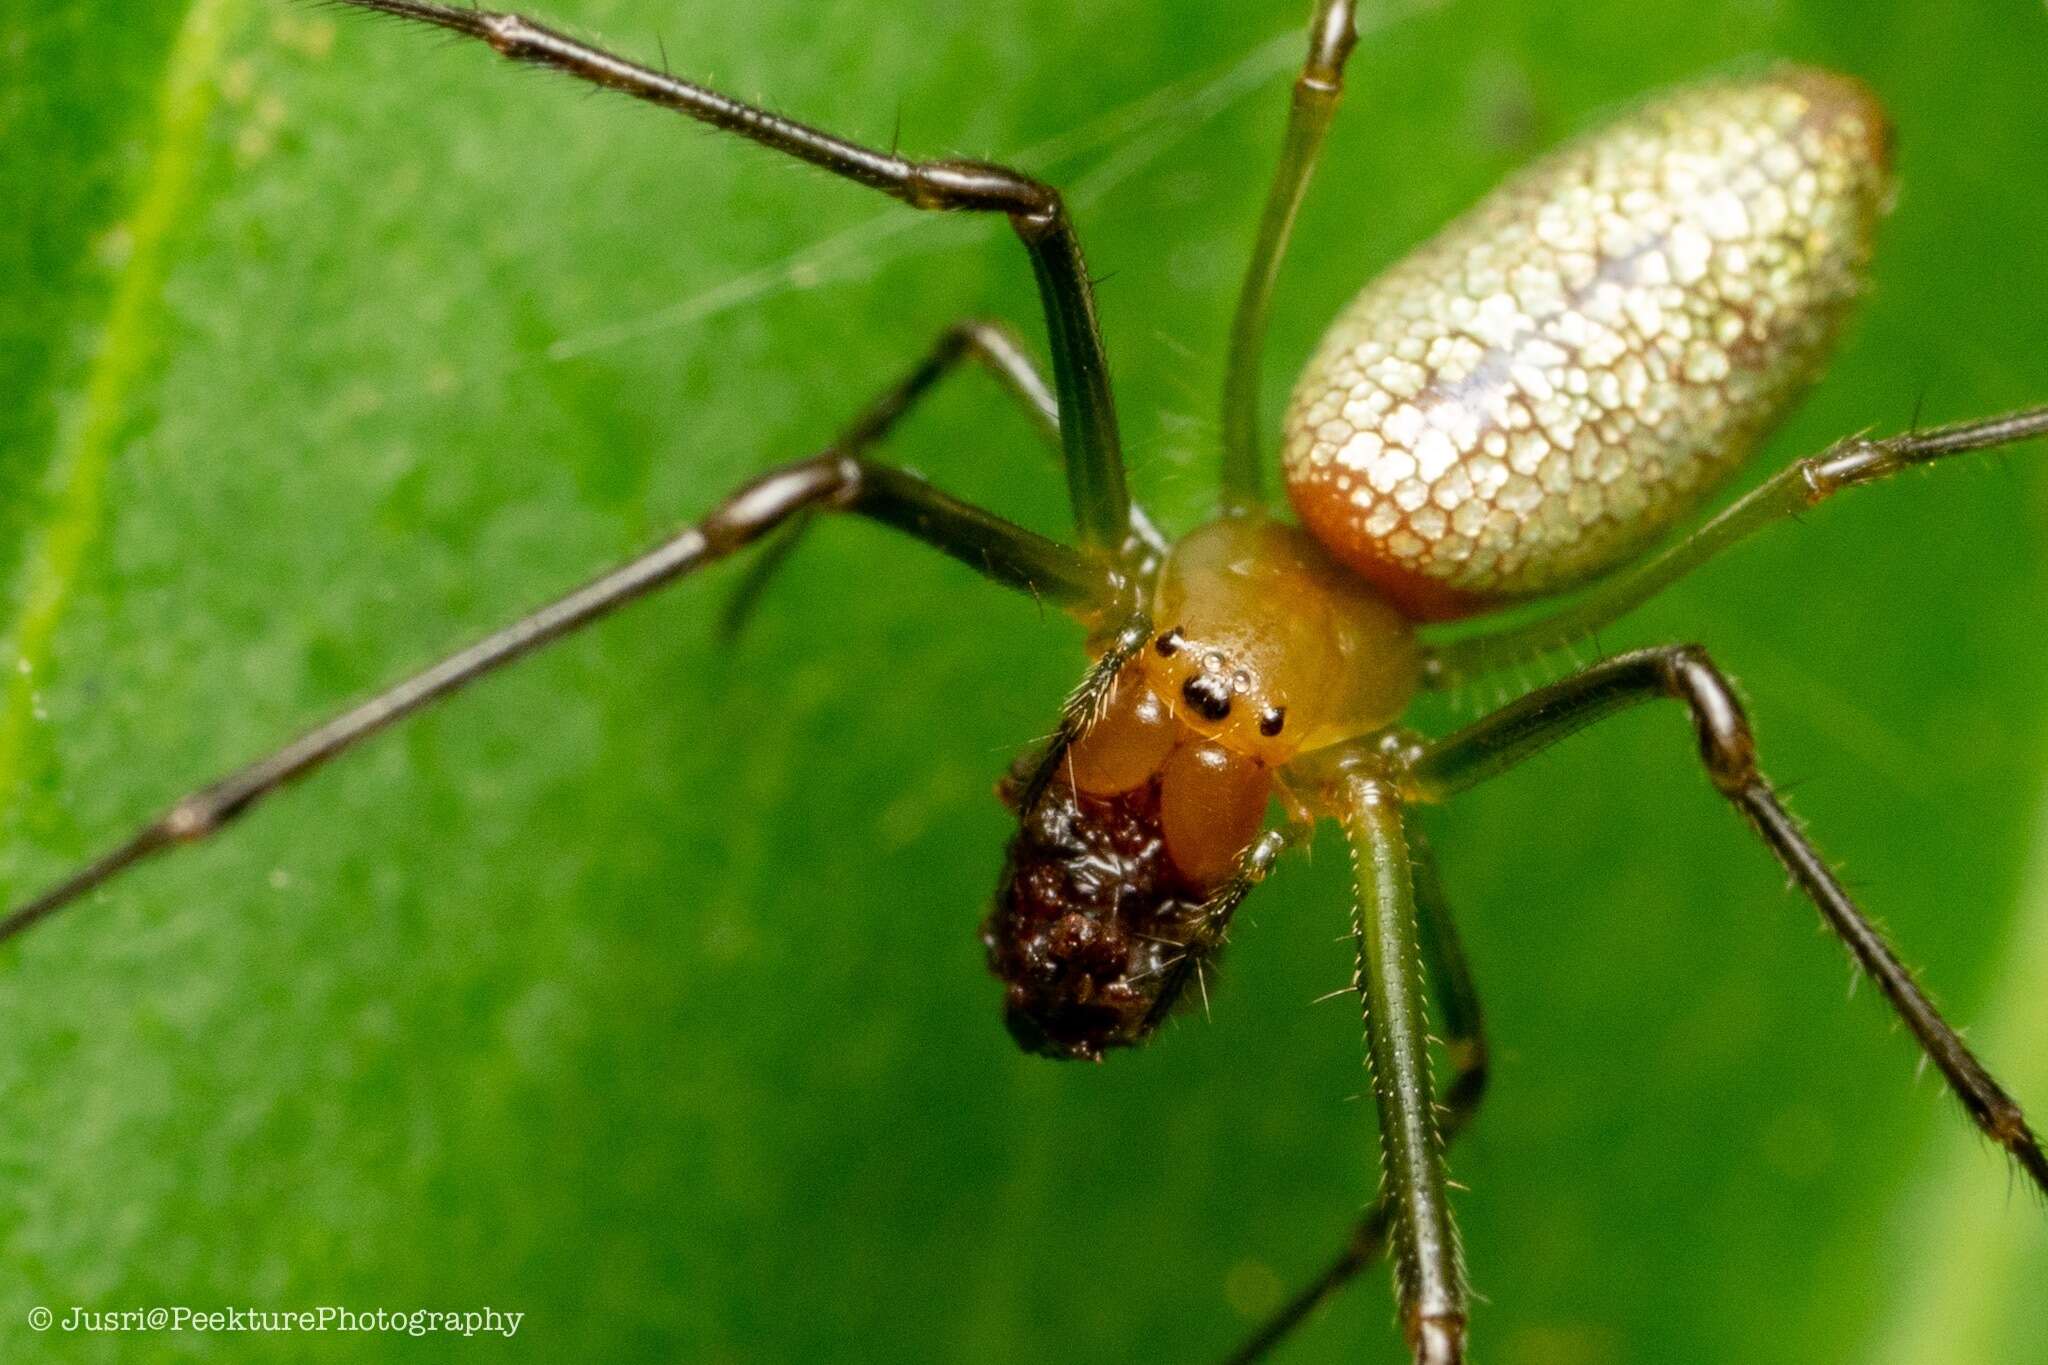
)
(1088, 427)
(1685, 674)
(830, 482)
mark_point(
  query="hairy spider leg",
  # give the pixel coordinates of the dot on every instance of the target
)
(1088, 433)
(1461, 1025)
(1086, 703)
(829, 482)
(1684, 673)
(1429, 1271)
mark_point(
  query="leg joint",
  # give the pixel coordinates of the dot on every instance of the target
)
(768, 501)
(1727, 746)
(509, 34)
(984, 336)
(980, 185)
(189, 821)
(1330, 40)
(1438, 1338)
(1844, 465)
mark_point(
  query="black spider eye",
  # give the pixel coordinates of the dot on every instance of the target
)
(1208, 694)
(1168, 644)
(1271, 720)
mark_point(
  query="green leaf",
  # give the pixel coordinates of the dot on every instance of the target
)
(639, 991)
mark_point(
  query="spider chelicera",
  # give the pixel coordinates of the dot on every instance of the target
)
(1514, 412)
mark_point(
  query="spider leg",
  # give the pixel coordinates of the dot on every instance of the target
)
(1212, 929)
(1253, 867)
(1457, 995)
(1429, 1274)
(1086, 704)
(1332, 33)
(999, 351)
(1003, 355)
(1464, 1039)
(828, 482)
(1088, 431)
(1684, 673)
(1803, 484)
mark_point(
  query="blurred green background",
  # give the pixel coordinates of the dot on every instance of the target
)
(639, 991)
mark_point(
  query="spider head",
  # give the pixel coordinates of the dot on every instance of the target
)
(1268, 648)
(1105, 910)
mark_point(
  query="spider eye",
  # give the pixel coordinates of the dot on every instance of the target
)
(1208, 694)
(1168, 644)
(1271, 720)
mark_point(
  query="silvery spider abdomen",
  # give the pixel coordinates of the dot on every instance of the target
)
(1540, 390)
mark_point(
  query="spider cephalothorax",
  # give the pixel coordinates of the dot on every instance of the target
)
(1114, 890)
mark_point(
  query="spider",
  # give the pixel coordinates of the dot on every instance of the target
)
(1250, 660)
